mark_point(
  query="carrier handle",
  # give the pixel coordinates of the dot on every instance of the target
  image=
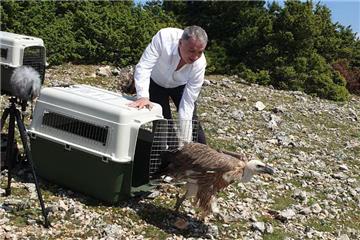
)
(32, 135)
(104, 159)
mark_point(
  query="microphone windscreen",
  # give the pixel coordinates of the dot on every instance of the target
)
(25, 83)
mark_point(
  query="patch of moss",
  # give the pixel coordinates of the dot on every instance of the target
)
(20, 192)
(283, 201)
(276, 235)
(152, 232)
(238, 226)
(225, 145)
(19, 217)
(320, 225)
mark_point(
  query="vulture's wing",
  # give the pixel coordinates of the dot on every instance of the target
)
(239, 156)
(196, 158)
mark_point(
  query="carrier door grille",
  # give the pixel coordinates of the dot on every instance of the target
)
(167, 137)
(35, 57)
(76, 126)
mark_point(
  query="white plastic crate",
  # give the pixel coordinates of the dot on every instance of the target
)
(89, 140)
(15, 46)
(91, 119)
(18, 50)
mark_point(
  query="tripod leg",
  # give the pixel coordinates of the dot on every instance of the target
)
(4, 117)
(24, 140)
(10, 150)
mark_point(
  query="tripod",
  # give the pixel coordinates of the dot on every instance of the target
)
(14, 114)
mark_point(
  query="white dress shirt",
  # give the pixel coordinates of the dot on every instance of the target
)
(159, 61)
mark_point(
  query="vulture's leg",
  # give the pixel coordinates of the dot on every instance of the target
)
(179, 201)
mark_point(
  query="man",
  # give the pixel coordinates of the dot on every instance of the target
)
(173, 65)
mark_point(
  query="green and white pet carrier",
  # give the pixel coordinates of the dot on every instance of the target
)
(89, 140)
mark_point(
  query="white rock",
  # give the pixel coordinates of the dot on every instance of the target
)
(237, 115)
(4, 221)
(104, 71)
(287, 213)
(299, 194)
(63, 206)
(259, 106)
(316, 208)
(343, 237)
(167, 179)
(259, 226)
(269, 228)
(115, 71)
(213, 230)
(305, 211)
(343, 167)
(206, 82)
(154, 194)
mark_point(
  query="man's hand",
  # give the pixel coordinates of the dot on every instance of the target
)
(141, 103)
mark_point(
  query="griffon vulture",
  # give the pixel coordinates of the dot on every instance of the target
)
(207, 171)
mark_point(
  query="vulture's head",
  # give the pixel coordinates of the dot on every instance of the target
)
(254, 167)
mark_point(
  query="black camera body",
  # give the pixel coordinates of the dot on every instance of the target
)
(17, 51)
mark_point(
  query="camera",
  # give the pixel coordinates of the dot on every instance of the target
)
(22, 61)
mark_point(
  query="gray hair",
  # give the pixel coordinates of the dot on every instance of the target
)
(195, 32)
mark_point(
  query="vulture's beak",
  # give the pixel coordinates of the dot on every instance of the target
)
(268, 170)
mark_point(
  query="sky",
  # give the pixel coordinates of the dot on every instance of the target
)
(346, 12)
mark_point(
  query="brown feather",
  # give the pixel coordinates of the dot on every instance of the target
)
(205, 167)
(201, 158)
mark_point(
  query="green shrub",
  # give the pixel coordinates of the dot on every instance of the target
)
(284, 77)
(249, 75)
(261, 77)
(323, 86)
(216, 58)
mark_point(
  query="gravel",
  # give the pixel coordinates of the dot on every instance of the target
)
(313, 144)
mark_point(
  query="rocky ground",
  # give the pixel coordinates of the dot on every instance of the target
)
(313, 144)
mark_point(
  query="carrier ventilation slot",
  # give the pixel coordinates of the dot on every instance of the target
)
(75, 126)
(167, 137)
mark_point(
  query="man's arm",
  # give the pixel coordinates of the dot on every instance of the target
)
(187, 104)
(143, 72)
(191, 93)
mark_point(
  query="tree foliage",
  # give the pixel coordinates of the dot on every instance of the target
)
(87, 31)
(295, 46)
(290, 47)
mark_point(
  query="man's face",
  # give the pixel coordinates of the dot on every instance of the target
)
(191, 50)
